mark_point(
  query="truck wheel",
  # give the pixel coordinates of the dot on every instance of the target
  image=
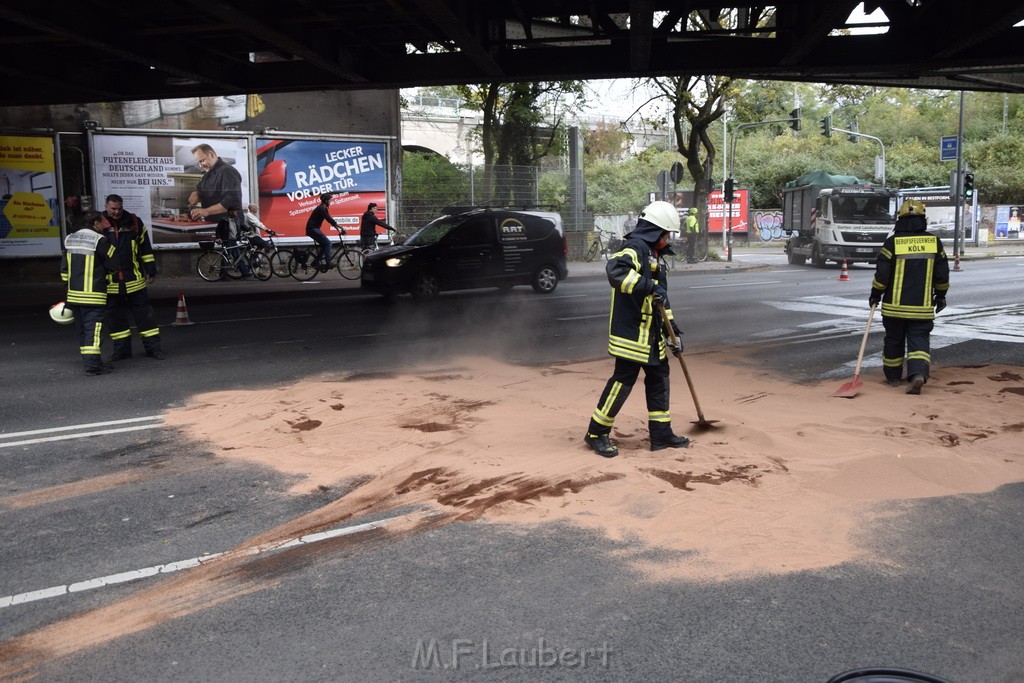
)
(796, 259)
(545, 280)
(816, 260)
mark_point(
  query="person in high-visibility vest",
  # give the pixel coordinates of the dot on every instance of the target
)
(691, 227)
(911, 281)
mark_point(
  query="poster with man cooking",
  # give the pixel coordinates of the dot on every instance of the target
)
(181, 187)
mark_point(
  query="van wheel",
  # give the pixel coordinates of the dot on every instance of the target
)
(425, 287)
(545, 280)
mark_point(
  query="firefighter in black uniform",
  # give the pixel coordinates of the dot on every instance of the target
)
(636, 338)
(88, 258)
(911, 281)
(127, 293)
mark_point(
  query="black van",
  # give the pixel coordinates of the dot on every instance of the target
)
(475, 248)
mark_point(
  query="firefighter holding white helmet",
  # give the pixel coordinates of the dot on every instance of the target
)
(636, 338)
(88, 259)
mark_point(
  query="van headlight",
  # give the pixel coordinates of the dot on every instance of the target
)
(395, 261)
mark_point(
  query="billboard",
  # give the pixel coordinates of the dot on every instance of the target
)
(717, 209)
(29, 205)
(292, 174)
(156, 175)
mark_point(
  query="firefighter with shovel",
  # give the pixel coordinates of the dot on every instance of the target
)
(636, 339)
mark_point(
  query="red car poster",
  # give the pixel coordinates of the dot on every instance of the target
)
(293, 174)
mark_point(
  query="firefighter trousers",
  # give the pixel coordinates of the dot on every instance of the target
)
(618, 388)
(135, 305)
(906, 340)
(89, 327)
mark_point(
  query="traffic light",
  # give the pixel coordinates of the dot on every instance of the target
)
(968, 184)
(729, 184)
(826, 126)
(794, 119)
(853, 129)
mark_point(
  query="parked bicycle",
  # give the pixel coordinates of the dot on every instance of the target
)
(700, 247)
(605, 243)
(306, 262)
(218, 262)
(278, 257)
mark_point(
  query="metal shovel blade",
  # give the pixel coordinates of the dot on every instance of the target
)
(850, 389)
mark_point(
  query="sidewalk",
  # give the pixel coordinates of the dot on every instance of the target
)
(22, 297)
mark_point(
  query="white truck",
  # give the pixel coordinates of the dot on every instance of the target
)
(835, 217)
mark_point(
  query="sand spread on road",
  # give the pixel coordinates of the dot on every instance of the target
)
(789, 481)
(782, 484)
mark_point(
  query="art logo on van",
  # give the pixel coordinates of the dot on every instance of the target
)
(512, 230)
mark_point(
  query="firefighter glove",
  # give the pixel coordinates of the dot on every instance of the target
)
(660, 295)
(940, 303)
(874, 298)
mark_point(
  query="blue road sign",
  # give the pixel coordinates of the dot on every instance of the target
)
(949, 147)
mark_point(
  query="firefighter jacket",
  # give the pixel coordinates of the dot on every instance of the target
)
(135, 260)
(912, 269)
(88, 257)
(635, 325)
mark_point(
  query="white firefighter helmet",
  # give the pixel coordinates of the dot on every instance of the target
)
(61, 313)
(662, 214)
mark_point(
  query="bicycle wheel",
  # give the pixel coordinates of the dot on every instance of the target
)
(279, 262)
(210, 265)
(302, 268)
(700, 251)
(260, 265)
(231, 266)
(350, 264)
(592, 251)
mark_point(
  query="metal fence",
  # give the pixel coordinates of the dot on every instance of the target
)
(472, 185)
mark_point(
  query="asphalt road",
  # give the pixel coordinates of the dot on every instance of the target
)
(371, 606)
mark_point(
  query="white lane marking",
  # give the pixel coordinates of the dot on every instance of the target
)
(583, 317)
(80, 435)
(88, 425)
(239, 320)
(737, 284)
(341, 336)
(122, 577)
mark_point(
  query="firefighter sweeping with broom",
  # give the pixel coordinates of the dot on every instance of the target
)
(636, 338)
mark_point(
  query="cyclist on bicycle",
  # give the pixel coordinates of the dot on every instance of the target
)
(254, 226)
(368, 227)
(320, 214)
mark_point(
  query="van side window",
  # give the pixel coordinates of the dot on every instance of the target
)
(476, 231)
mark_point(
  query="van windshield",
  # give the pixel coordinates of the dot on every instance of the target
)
(433, 231)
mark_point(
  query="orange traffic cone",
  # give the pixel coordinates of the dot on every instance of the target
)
(844, 275)
(725, 249)
(182, 316)
(956, 263)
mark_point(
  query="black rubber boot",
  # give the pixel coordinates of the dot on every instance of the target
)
(916, 382)
(670, 441)
(601, 444)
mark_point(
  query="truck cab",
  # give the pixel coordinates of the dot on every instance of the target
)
(848, 222)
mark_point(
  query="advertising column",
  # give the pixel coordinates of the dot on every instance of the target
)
(29, 211)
